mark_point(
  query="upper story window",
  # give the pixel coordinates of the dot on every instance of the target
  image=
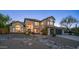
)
(49, 23)
(36, 23)
(29, 23)
(42, 23)
(51, 20)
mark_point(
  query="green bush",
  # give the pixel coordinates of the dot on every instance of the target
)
(29, 31)
(4, 30)
(76, 33)
(44, 31)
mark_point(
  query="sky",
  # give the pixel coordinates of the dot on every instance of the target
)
(19, 15)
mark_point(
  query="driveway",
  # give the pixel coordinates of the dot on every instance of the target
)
(22, 41)
(71, 37)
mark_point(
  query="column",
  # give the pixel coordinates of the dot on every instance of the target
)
(62, 31)
(48, 31)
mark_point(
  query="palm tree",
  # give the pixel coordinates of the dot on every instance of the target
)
(68, 22)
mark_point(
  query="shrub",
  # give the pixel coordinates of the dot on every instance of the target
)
(4, 30)
(76, 31)
(44, 31)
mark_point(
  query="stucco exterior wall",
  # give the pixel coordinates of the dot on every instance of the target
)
(32, 24)
(13, 28)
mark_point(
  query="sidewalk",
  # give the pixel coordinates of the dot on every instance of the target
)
(76, 38)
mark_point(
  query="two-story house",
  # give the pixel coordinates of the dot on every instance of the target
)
(34, 25)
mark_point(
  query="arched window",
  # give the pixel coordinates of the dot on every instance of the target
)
(18, 27)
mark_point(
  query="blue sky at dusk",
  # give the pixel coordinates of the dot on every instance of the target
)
(19, 15)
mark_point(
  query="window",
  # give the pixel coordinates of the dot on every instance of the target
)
(22, 30)
(30, 23)
(17, 27)
(51, 20)
(37, 23)
(42, 23)
(13, 29)
(35, 30)
(49, 23)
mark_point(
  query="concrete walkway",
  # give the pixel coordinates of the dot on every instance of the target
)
(76, 38)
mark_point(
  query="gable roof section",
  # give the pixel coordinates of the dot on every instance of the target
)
(48, 18)
(31, 19)
(17, 22)
(38, 20)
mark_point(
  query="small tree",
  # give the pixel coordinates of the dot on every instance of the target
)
(68, 22)
(4, 19)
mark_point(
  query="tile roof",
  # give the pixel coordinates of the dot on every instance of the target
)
(32, 19)
(38, 20)
(48, 18)
(17, 22)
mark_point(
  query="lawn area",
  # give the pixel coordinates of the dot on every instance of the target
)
(22, 41)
